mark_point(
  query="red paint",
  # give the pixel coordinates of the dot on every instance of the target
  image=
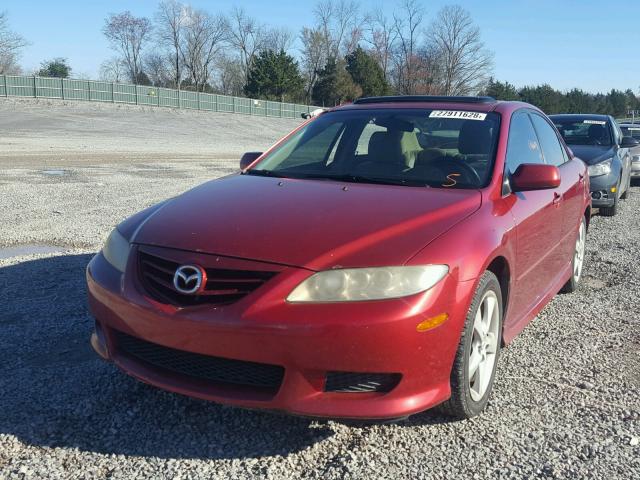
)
(299, 226)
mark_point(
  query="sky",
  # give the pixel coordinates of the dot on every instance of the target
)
(567, 43)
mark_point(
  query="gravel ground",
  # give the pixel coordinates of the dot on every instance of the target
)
(566, 403)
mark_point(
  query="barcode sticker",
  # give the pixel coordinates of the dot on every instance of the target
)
(595, 122)
(458, 114)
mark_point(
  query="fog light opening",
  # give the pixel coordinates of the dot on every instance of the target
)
(433, 322)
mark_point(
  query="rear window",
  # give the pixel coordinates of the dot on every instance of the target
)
(416, 147)
(585, 131)
(631, 131)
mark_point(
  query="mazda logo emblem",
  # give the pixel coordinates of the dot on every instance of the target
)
(189, 279)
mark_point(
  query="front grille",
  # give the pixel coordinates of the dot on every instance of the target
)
(354, 382)
(217, 370)
(223, 286)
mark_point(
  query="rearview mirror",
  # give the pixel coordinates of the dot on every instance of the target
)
(534, 176)
(629, 142)
(248, 158)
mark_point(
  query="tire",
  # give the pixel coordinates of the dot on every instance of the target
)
(469, 398)
(577, 263)
(613, 209)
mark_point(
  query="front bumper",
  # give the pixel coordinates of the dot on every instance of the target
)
(308, 341)
(603, 189)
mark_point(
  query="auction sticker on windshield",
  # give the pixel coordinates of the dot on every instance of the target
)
(458, 114)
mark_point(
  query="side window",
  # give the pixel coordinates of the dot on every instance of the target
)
(551, 147)
(522, 146)
(313, 148)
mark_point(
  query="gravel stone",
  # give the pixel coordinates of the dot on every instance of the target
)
(66, 414)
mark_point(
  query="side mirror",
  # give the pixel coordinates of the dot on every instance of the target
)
(534, 176)
(248, 158)
(629, 142)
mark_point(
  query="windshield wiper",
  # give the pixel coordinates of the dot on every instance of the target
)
(264, 173)
(361, 179)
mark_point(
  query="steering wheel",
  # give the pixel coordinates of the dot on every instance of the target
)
(453, 165)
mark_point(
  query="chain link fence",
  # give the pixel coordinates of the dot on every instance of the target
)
(111, 92)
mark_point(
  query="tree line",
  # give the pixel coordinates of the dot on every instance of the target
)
(550, 100)
(346, 52)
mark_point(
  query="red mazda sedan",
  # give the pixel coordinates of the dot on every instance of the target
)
(369, 265)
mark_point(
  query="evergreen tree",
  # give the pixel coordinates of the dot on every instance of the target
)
(366, 72)
(274, 76)
(334, 85)
(58, 67)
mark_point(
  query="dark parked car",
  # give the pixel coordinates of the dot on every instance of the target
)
(371, 264)
(633, 130)
(598, 141)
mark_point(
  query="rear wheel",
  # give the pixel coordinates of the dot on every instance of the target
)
(474, 367)
(578, 259)
(613, 209)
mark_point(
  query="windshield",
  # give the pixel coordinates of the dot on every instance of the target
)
(416, 147)
(631, 131)
(585, 132)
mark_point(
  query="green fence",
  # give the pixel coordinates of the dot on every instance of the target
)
(110, 92)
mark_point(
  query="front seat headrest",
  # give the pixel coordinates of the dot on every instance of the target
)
(475, 138)
(596, 132)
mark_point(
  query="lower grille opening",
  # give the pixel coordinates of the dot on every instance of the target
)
(354, 382)
(261, 376)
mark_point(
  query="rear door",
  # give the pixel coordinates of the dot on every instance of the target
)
(538, 218)
(571, 187)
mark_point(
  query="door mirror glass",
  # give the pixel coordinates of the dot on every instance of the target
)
(629, 142)
(248, 158)
(534, 176)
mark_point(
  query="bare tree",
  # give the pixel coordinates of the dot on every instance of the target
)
(315, 53)
(407, 23)
(112, 70)
(170, 20)
(247, 36)
(341, 23)
(278, 38)
(381, 37)
(11, 45)
(158, 68)
(204, 35)
(465, 63)
(128, 35)
(230, 79)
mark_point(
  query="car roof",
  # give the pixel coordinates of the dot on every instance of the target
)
(580, 116)
(475, 104)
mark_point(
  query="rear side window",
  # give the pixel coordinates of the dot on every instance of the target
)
(551, 147)
(523, 146)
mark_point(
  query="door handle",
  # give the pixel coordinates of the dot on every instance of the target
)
(556, 198)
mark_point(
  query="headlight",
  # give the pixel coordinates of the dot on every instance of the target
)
(116, 250)
(354, 284)
(602, 168)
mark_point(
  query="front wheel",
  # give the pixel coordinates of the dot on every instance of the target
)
(578, 259)
(613, 209)
(474, 367)
(625, 195)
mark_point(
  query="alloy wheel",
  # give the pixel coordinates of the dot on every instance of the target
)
(484, 345)
(578, 258)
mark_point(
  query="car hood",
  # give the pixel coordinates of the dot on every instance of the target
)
(315, 224)
(591, 154)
